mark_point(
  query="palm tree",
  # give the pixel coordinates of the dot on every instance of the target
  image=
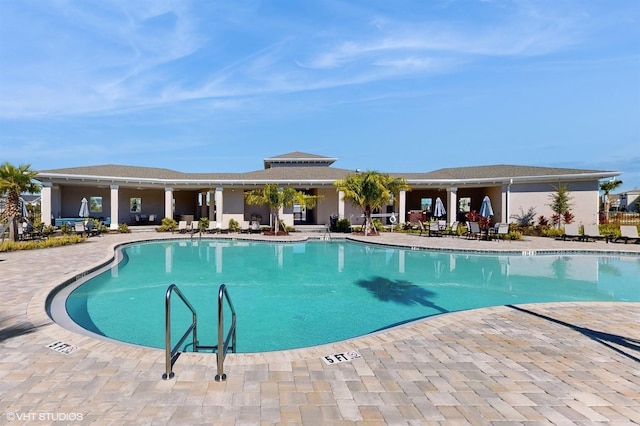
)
(370, 191)
(13, 182)
(276, 198)
(607, 187)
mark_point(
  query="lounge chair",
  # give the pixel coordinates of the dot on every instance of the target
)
(223, 228)
(78, 228)
(182, 226)
(245, 227)
(212, 228)
(591, 231)
(571, 231)
(255, 227)
(194, 228)
(453, 229)
(434, 229)
(628, 232)
(501, 231)
(473, 230)
(91, 229)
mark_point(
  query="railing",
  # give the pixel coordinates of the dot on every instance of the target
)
(171, 354)
(223, 344)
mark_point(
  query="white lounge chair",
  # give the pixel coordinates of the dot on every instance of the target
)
(571, 231)
(628, 232)
(591, 231)
(182, 226)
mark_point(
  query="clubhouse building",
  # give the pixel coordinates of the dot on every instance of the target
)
(143, 195)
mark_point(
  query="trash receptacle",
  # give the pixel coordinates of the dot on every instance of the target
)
(333, 221)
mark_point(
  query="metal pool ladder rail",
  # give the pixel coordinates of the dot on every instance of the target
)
(171, 354)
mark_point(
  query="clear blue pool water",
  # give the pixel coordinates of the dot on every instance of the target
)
(304, 294)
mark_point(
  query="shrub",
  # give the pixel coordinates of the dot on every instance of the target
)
(234, 226)
(123, 228)
(203, 224)
(515, 235)
(65, 228)
(167, 225)
(39, 244)
(343, 225)
(543, 221)
(525, 219)
(552, 232)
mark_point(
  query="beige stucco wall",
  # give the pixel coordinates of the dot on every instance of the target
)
(584, 202)
(327, 206)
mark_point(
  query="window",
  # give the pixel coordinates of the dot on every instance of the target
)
(95, 204)
(464, 204)
(135, 205)
(425, 204)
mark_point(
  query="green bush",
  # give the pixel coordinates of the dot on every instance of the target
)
(552, 232)
(234, 226)
(515, 235)
(203, 224)
(39, 244)
(123, 228)
(377, 223)
(167, 225)
(343, 225)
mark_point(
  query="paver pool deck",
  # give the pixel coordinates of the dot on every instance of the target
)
(553, 363)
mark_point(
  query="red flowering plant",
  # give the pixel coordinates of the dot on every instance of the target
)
(473, 216)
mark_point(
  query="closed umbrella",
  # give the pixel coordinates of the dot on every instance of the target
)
(439, 210)
(84, 208)
(485, 209)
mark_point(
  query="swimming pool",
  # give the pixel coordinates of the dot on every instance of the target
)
(292, 295)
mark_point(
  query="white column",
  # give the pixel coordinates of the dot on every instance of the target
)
(45, 203)
(203, 206)
(168, 202)
(402, 206)
(452, 204)
(219, 205)
(212, 206)
(341, 204)
(114, 207)
(504, 210)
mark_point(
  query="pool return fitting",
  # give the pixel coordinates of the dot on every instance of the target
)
(221, 349)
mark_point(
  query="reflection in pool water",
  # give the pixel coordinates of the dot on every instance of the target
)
(303, 294)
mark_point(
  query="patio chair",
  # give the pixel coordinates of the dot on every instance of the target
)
(628, 232)
(194, 228)
(571, 231)
(434, 229)
(501, 231)
(591, 231)
(473, 230)
(212, 228)
(245, 227)
(255, 227)
(78, 227)
(182, 226)
(453, 229)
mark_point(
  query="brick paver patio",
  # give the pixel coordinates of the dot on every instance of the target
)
(556, 363)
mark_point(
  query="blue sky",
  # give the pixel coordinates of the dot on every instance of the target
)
(403, 85)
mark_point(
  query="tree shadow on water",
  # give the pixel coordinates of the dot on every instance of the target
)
(401, 292)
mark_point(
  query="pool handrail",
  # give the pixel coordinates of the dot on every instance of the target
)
(170, 353)
(223, 344)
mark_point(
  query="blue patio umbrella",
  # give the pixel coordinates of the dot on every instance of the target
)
(84, 208)
(439, 210)
(485, 209)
